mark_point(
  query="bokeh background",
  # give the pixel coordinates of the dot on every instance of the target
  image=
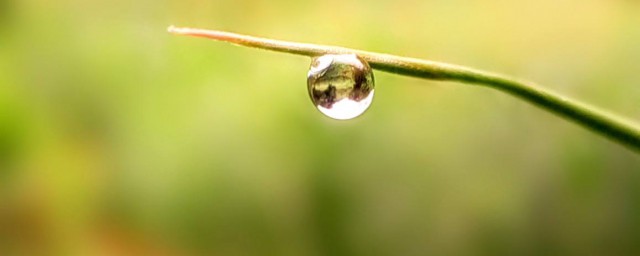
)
(117, 138)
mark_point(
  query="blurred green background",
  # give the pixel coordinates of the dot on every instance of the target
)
(117, 138)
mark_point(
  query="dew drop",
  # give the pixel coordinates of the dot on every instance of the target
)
(340, 86)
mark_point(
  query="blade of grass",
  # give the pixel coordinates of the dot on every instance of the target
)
(616, 128)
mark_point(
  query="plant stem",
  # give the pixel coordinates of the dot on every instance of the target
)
(611, 126)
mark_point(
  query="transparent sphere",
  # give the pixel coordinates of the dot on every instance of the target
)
(340, 86)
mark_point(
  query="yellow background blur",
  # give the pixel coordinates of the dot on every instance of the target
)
(117, 138)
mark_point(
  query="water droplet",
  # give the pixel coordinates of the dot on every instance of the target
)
(341, 86)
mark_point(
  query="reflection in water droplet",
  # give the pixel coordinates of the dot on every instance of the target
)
(340, 86)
